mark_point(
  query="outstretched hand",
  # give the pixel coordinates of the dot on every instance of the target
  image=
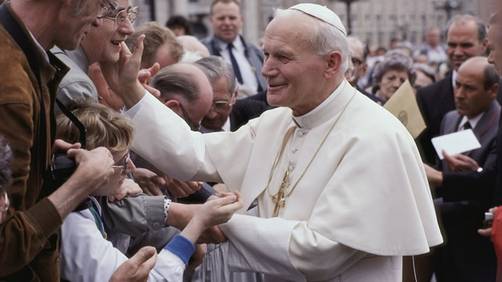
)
(122, 76)
(137, 268)
(218, 210)
(460, 162)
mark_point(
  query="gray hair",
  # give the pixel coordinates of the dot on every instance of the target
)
(171, 81)
(393, 60)
(325, 38)
(214, 68)
(469, 18)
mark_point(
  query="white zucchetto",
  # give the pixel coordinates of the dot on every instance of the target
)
(322, 13)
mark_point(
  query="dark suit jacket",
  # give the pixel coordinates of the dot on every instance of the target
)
(434, 102)
(245, 110)
(466, 256)
(252, 53)
(486, 132)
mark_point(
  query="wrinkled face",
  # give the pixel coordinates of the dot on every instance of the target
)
(223, 100)
(294, 72)
(495, 46)
(103, 43)
(358, 64)
(74, 21)
(463, 43)
(471, 97)
(226, 21)
(391, 81)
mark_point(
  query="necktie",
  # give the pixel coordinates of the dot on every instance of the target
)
(235, 66)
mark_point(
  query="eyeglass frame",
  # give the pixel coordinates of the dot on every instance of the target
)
(132, 11)
(123, 164)
(226, 103)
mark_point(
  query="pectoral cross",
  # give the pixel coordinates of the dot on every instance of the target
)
(279, 198)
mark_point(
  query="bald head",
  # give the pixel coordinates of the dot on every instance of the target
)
(476, 86)
(186, 90)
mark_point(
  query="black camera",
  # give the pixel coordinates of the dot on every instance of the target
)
(62, 167)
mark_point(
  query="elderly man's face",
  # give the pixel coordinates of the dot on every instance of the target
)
(495, 46)
(471, 96)
(221, 108)
(226, 21)
(74, 21)
(103, 43)
(295, 73)
(463, 43)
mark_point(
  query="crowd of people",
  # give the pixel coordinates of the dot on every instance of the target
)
(146, 154)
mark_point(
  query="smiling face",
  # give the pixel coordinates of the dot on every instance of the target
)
(297, 76)
(226, 21)
(463, 43)
(103, 43)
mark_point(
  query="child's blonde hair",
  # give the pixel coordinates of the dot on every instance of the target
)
(104, 126)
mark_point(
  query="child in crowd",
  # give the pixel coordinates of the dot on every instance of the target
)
(86, 253)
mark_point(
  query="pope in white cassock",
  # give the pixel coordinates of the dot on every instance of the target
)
(341, 191)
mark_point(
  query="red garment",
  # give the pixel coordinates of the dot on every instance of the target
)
(497, 240)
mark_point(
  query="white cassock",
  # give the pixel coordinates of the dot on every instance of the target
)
(360, 196)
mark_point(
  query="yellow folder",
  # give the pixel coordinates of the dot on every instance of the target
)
(403, 105)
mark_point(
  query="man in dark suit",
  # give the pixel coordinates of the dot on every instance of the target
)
(466, 38)
(467, 256)
(227, 113)
(245, 58)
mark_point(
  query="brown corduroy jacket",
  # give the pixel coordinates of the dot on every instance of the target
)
(29, 237)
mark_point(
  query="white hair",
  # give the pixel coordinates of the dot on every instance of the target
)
(325, 38)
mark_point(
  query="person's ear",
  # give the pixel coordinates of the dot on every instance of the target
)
(334, 64)
(494, 89)
(174, 105)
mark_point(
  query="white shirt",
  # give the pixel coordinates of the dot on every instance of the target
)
(473, 121)
(87, 256)
(250, 84)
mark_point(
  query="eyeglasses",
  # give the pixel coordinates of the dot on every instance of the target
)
(224, 105)
(356, 61)
(120, 16)
(195, 126)
(123, 164)
(221, 106)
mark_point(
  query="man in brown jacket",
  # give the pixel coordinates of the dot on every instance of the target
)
(28, 79)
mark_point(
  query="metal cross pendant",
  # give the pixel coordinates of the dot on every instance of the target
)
(279, 198)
